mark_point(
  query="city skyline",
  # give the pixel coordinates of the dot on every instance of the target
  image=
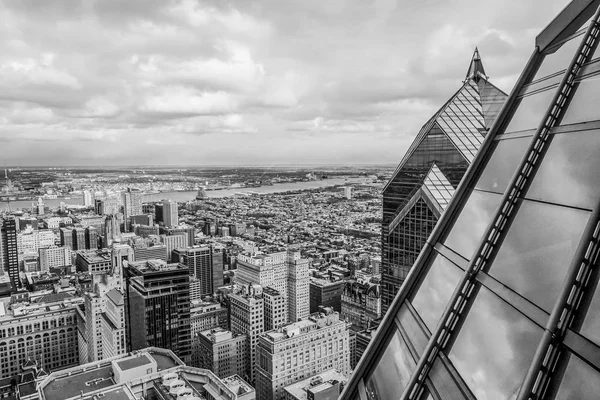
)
(218, 83)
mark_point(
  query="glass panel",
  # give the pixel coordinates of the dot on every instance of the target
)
(470, 225)
(569, 172)
(537, 251)
(494, 348)
(530, 111)
(591, 324)
(560, 59)
(416, 335)
(584, 105)
(434, 292)
(388, 380)
(580, 381)
(443, 382)
(502, 165)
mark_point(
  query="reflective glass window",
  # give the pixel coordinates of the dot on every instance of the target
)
(591, 324)
(584, 105)
(501, 167)
(444, 383)
(580, 381)
(568, 173)
(530, 112)
(434, 292)
(534, 257)
(388, 380)
(560, 59)
(413, 330)
(494, 348)
(467, 232)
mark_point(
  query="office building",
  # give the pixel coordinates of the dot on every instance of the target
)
(274, 309)
(325, 386)
(96, 262)
(9, 251)
(301, 350)
(297, 287)
(246, 316)
(54, 257)
(112, 229)
(205, 264)
(78, 238)
(326, 293)
(190, 231)
(177, 241)
(91, 238)
(66, 238)
(158, 213)
(109, 205)
(145, 230)
(143, 251)
(170, 214)
(429, 172)
(42, 331)
(348, 192)
(361, 303)
(24, 222)
(88, 199)
(158, 306)
(30, 240)
(503, 301)
(141, 219)
(206, 315)
(132, 205)
(152, 373)
(222, 352)
(113, 324)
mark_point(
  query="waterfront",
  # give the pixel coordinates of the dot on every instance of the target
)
(183, 196)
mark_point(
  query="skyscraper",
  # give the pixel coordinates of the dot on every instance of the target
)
(170, 213)
(10, 254)
(88, 200)
(429, 172)
(132, 204)
(205, 263)
(502, 303)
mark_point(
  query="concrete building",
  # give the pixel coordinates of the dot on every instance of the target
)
(190, 231)
(9, 251)
(91, 237)
(361, 303)
(132, 205)
(88, 199)
(177, 241)
(297, 287)
(155, 252)
(30, 240)
(94, 261)
(145, 230)
(247, 317)
(205, 264)
(222, 352)
(170, 214)
(207, 315)
(79, 239)
(158, 306)
(300, 350)
(325, 386)
(348, 192)
(113, 325)
(44, 331)
(326, 293)
(66, 238)
(275, 306)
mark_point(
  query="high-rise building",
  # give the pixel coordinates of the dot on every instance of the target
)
(275, 306)
(30, 240)
(222, 352)
(158, 306)
(430, 171)
(91, 238)
(112, 229)
(158, 213)
(78, 238)
(205, 263)
(113, 324)
(503, 300)
(9, 251)
(348, 192)
(301, 350)
(178, 241)
(247, 317)
(88, 199)
(361, 303)
(170, 213)
(190, 231)
(54, 257)
(297, 287)
(208, 315)
(145, 230)
(155, 252)
(326, 293)
(39, 206)
(132, 205)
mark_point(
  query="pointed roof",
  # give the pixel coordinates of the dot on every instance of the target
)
(476, 70)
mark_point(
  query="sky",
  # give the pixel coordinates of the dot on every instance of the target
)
(246, 82)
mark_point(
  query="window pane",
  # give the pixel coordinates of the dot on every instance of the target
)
(503, 164)
(444, 383)
(470, 225)
(591, 324)
(388, 380)
(537, 251)
(416, 335)
(530, 111)
(580, 381)
(494, 348)
(569, 172)
(432, 296)
(584, 105)
(560, 59)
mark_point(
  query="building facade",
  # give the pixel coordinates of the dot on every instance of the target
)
(205, 263)
(429, 172)
(222, 352)
(170, 214)
(325, 293)
(361, 303)
(247, 317)
(9, 251)
(503, 301)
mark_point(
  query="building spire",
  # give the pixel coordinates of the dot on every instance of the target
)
(476, 70)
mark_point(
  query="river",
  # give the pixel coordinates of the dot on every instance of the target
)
(183, 196)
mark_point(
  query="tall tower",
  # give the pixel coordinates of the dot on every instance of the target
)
(430, 171)
(10, 258)
(170, 213)
(132, 205)
(504, 299)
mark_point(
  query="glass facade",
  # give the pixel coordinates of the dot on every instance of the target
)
(504, 301)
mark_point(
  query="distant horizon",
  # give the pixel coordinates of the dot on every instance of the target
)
(199, 166)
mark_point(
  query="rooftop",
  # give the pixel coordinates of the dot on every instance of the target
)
(317, 383)
(95, 256)
(134, 362)
(79, 382)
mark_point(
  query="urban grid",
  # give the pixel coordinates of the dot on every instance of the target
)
(467, 268)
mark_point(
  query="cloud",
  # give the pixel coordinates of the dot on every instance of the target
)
(223, 80)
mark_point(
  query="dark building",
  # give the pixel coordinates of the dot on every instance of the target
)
(503, 301)
(99, 206)
(66, 238)
(325, 293)
(429, 172)
(9, 252)
(205, 263)
(158, 213)
(141, 219)
(91, 238)
(78, 235)
(23, 222)
(158, 307)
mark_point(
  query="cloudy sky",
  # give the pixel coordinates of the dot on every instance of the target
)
(183, 82)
